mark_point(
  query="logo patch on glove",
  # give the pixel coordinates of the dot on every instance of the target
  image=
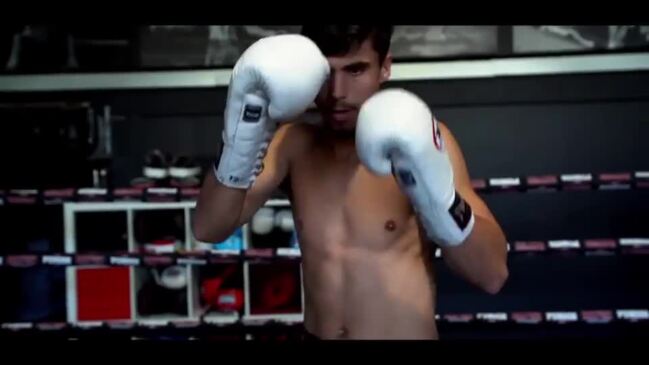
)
(405, 177)
(460, 211)
(252, 113)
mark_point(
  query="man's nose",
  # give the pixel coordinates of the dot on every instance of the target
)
(337, 86)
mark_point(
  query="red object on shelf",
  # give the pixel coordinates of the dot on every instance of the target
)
(279, 290)
(103, 294)
(210, 289)
(275, 289)
(222, 299)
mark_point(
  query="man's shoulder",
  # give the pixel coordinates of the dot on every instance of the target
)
(446, 132)
(442, 126)
(298, 128)
(297, 134)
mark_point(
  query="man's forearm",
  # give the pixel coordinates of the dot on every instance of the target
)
(217, 210)
(482, 258)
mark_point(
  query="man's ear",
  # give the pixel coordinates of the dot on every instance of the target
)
(386, 67)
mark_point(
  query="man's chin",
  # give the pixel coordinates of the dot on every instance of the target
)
(343, 132)
(341, 125)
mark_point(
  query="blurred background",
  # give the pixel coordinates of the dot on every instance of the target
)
(107, 132)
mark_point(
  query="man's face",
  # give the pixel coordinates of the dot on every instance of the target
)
(354, 77)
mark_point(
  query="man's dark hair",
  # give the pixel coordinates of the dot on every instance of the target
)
(335, 40)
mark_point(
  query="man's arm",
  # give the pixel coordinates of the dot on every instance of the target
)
(482, 258)
(396, 133)
(275, 79)
(220, 210)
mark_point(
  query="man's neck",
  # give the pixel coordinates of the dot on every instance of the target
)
(342, 144)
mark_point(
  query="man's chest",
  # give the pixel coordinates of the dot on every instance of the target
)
(342, 203)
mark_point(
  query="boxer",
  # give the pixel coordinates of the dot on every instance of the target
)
(374, 188)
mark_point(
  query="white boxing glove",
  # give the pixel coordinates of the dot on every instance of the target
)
(275, 79)
(396, 133)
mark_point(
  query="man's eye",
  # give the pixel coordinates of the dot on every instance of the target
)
(356, 70)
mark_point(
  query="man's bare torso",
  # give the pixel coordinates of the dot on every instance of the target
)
(366, 273)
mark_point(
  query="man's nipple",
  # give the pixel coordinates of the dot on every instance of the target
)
(390, 225)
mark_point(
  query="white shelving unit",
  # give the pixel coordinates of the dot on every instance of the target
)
(248, 317)
(194, 310)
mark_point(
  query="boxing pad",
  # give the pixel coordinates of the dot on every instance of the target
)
(263, 221)
(284, 220)
(162, 246)
(173, 277)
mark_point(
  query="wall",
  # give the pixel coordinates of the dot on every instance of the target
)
(506, 127)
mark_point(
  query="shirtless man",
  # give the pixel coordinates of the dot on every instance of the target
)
(370, 203)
